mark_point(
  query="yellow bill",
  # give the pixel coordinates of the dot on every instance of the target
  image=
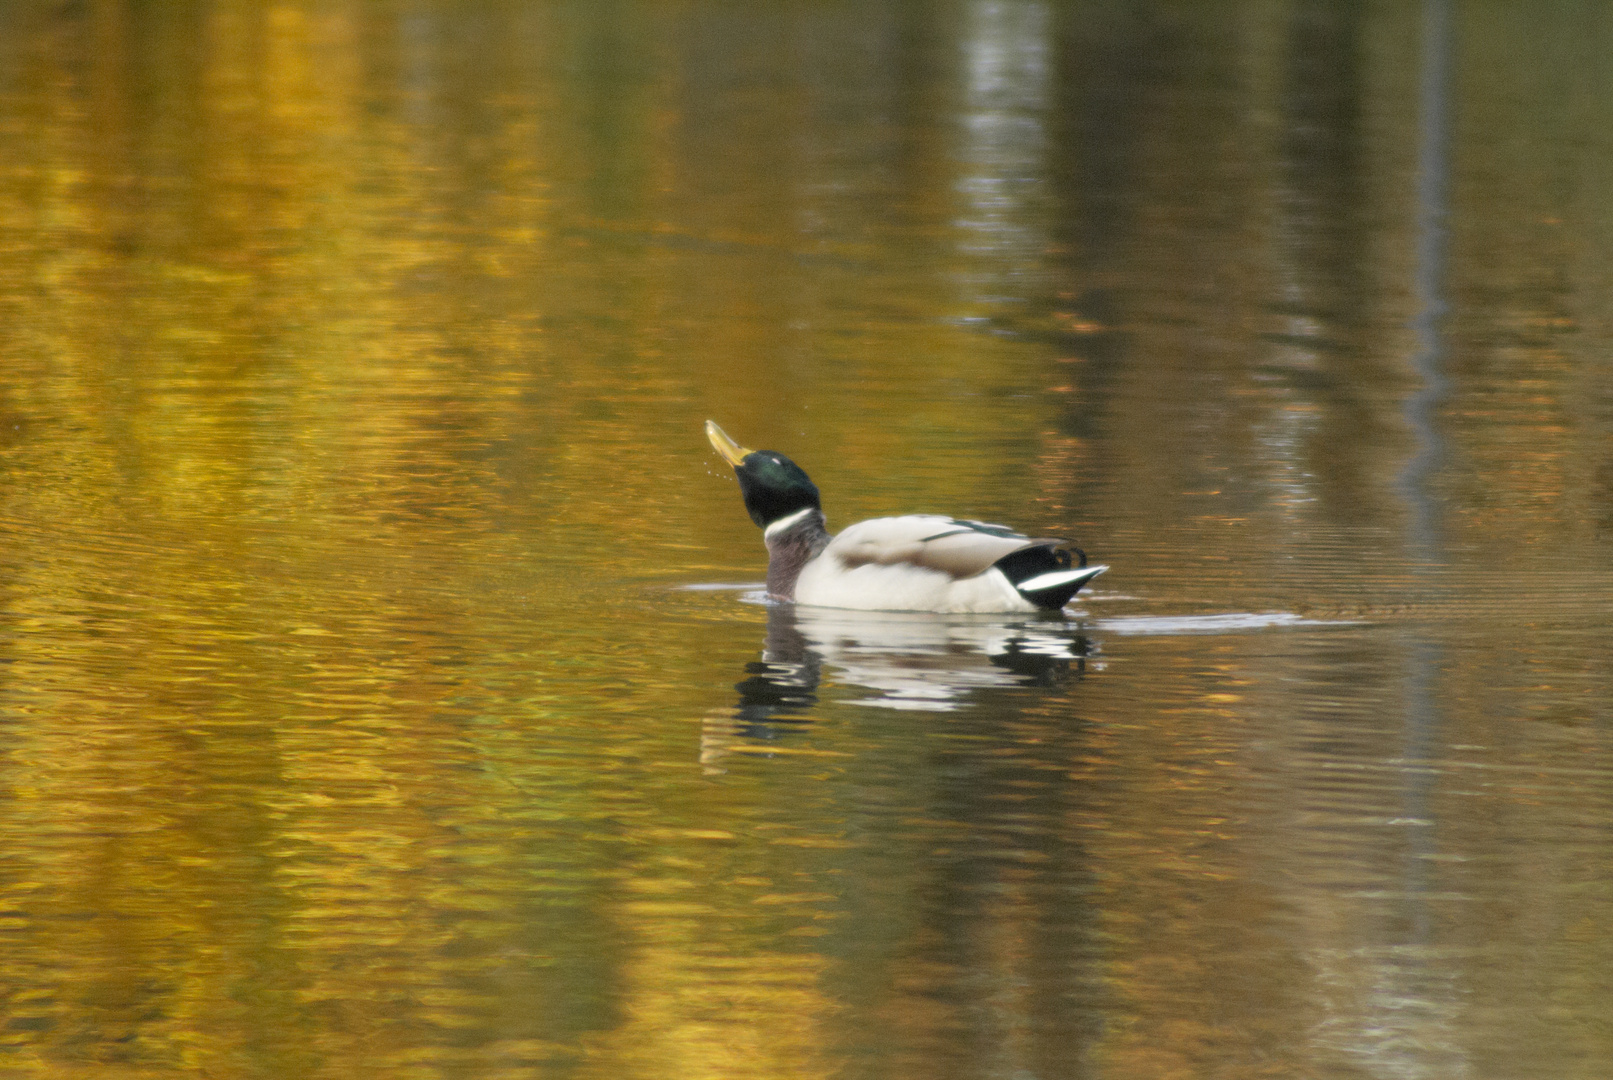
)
(731, 451)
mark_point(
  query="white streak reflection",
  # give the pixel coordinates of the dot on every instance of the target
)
(1003, 150)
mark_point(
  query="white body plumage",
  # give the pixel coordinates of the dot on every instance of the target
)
(906, 588)
(919, 562)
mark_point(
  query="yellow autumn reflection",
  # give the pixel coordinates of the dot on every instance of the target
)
(383, 691)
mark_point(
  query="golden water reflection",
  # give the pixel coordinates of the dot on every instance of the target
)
(356, 717)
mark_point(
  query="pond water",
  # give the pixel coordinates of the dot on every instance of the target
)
(385, 688)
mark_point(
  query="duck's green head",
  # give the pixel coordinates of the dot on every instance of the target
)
(774, 486)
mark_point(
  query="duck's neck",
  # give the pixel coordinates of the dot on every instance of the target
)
(792, 542)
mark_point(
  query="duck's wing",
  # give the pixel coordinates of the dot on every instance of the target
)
(954, 546)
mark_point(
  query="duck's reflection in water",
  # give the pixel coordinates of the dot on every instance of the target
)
(892, 660)
(781, 687)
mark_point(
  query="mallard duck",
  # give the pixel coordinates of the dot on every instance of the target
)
(919, 562)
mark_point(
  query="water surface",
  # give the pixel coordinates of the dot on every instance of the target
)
(383, 688)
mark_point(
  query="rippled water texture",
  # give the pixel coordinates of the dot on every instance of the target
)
(384, 689)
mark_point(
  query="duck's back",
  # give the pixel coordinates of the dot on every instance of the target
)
(919, 562)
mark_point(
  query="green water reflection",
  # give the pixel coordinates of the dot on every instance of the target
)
(370, 700)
